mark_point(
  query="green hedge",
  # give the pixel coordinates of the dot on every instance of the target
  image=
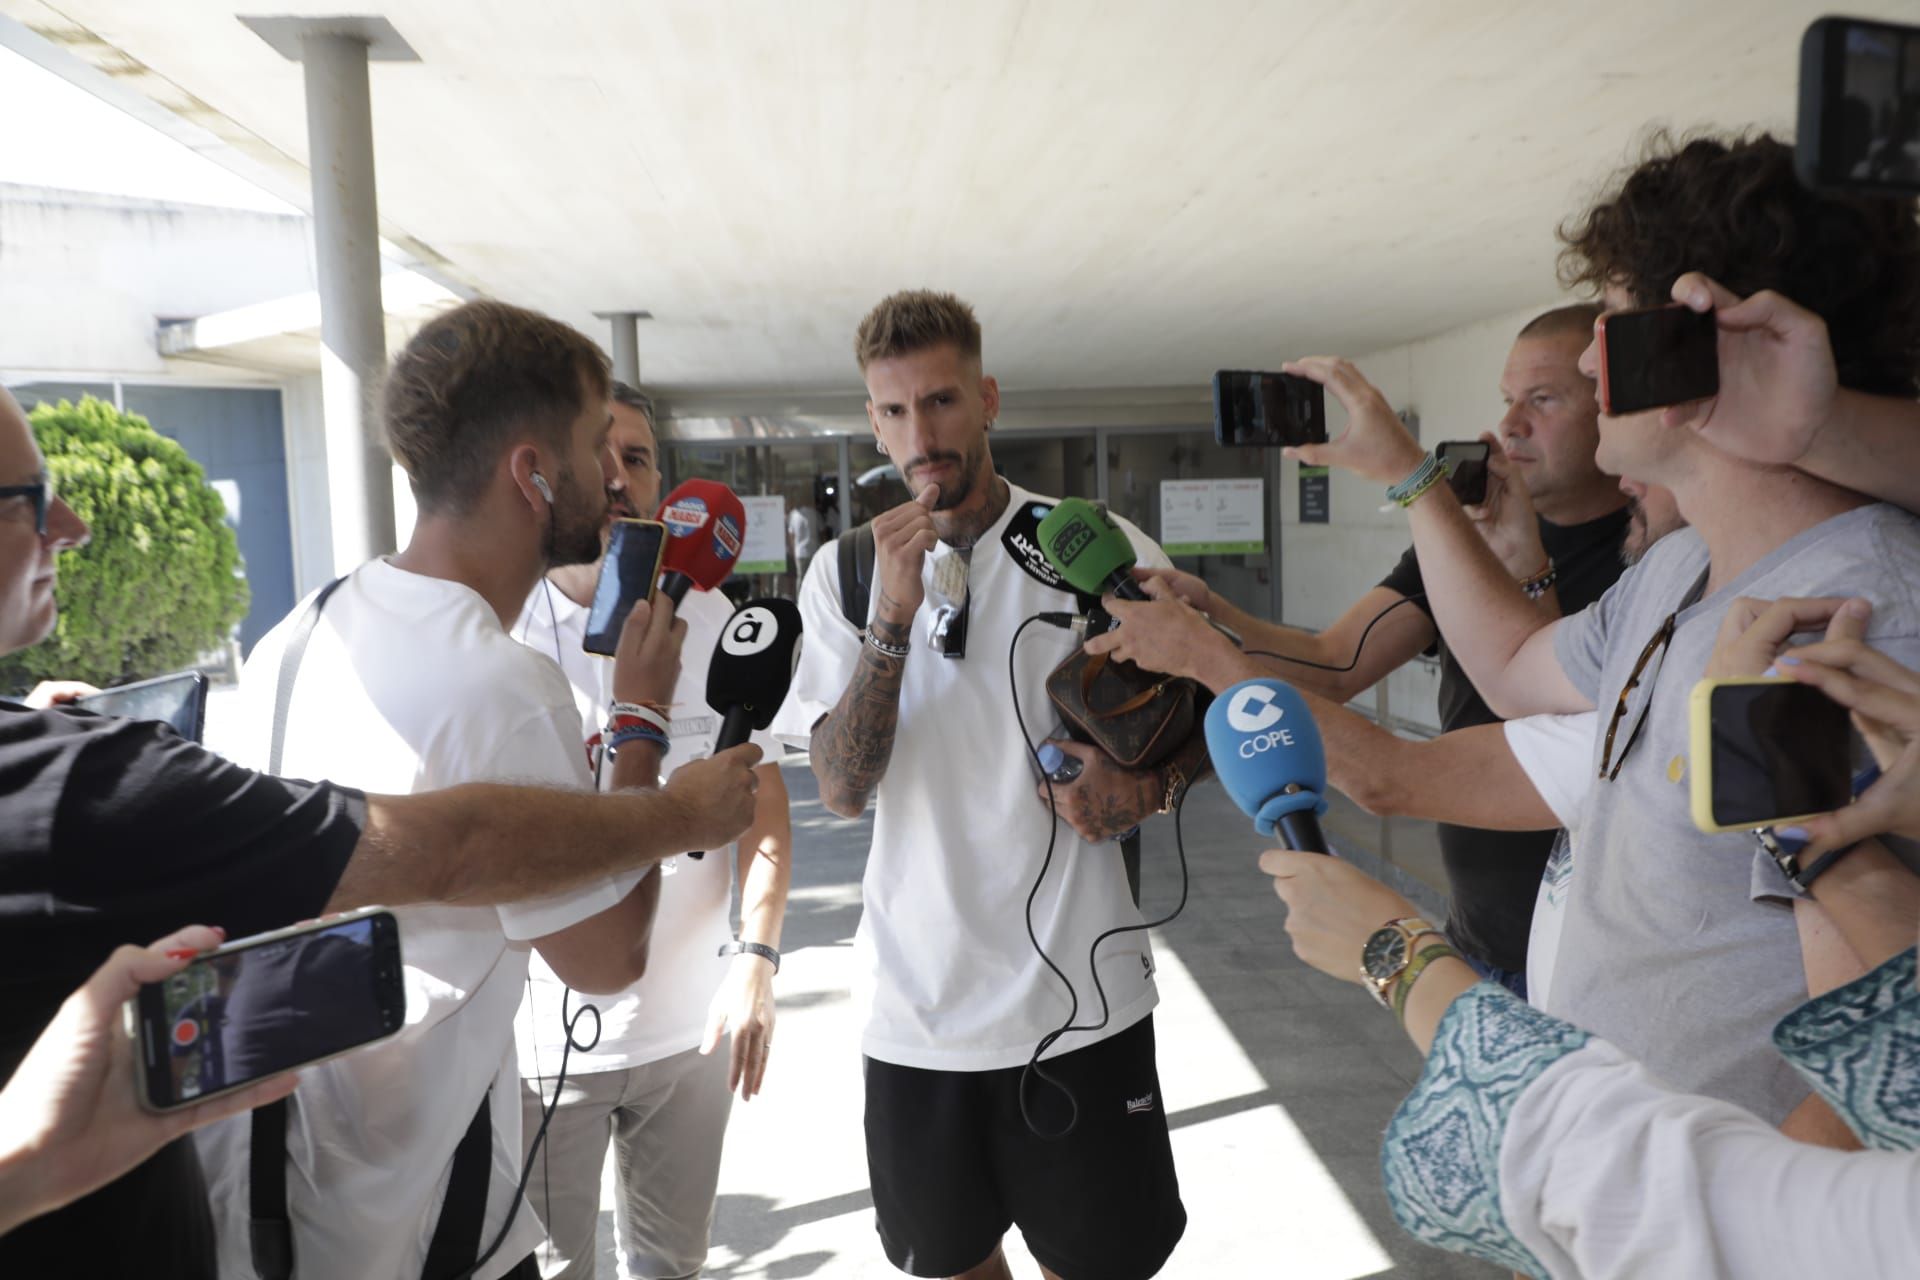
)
(159, 585)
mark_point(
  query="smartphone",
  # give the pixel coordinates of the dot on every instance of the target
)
(1859, 107)
(267, 1004)
(1655, 357)
(628, 573)
(1267, 409)
(178, 700)
(1766, 752)
(1466, 464)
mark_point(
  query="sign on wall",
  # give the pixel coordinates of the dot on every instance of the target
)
(1213, 517)
(766, 541)
(1316, 496)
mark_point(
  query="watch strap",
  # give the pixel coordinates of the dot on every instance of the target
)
(761, 949)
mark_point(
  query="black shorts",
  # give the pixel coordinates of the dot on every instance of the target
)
(953, 1164)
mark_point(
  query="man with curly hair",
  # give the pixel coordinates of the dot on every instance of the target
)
(1687, 948)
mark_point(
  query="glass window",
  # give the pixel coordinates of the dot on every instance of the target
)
(1137, 464)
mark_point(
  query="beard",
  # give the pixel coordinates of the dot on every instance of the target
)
(579, 522)
(969, 466)
(1634, 545)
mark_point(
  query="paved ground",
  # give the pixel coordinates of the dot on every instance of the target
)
(1278, 1080)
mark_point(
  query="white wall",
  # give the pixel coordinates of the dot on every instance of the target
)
(1452, 381)
(84, 278)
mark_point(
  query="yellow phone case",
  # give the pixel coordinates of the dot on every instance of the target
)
(1700, 757)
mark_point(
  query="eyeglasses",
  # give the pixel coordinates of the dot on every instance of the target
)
(1656, 646)
(41, 491)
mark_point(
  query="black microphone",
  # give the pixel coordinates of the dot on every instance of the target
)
(752, 668)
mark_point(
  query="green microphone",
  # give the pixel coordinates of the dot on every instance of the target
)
(1091, 552)
(1095, 555)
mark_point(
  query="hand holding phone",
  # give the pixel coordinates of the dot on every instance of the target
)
(264, 1005)
(1466, 464)
(629, 572)
(69, 1115)
(1268, 410)
(1656, 356)
(1765, 752)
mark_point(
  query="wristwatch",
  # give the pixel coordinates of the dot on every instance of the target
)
(1388, 952)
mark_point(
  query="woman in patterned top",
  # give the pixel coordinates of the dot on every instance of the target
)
(1536, 1146)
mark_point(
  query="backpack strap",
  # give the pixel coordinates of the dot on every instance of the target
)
(290, 656)
(856, 551)
(456, 1237)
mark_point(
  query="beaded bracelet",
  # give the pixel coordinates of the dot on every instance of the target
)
(891, 650)
(1430, 472)
(644, 712)
(624, 736)
(1541, 583)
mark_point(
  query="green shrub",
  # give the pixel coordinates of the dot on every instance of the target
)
(159, 584)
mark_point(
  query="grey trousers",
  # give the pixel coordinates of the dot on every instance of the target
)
(666, 1120)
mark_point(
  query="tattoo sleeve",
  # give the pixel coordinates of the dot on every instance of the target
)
(853, 743)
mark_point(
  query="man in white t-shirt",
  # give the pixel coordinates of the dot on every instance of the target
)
(402, 1161)
(915, 712)
(653, 1082)
(804, 529)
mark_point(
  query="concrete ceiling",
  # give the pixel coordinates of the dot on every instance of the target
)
(1132, 194)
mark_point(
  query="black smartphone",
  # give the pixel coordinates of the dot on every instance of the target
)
(1775, 752)
(1268, 409)
(1466, 464)
(178, 700)
(1655, 357)
(1859, 106)
(628, 574)
(267, 1004)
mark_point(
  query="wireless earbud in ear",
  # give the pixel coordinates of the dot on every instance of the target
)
(540, 483)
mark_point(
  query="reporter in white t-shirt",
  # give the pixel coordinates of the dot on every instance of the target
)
(914, 712)
(410, 681)
(653, 1082)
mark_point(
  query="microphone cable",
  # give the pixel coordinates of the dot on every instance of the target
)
(1034, 1067)
(1359, 646)
(546, 1118)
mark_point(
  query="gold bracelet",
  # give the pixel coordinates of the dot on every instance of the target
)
(1403, 989)
(1176, 787)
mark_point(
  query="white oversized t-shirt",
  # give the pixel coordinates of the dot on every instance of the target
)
(1556, 753)
(946, 972)
(409, 684)
(665, 1012)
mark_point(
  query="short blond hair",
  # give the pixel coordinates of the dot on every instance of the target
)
(914, 320)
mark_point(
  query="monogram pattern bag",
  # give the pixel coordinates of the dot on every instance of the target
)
(1136, 717)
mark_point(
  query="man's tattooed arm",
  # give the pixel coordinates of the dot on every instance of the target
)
(853, 743)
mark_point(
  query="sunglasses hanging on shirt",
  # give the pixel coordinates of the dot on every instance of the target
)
(951, 601)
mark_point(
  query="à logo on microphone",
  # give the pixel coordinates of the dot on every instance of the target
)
(751, 631)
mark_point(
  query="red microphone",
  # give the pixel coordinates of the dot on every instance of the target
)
(706, 525)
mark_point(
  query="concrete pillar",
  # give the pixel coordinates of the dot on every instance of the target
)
(626, 345)
(845, 451)
(352, 326)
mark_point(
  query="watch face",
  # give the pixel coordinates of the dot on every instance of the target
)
(1385, 953)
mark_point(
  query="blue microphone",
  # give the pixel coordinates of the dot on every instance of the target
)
(1266, 752)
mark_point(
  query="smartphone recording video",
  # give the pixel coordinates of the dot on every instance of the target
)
(1466, 464)
(1860, 107)
(1268, 409)
(628, 574)
(1656, 357)
(179, 701)
(267, 1004)
(1767, 752)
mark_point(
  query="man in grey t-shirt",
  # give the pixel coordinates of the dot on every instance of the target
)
(1674, 947)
